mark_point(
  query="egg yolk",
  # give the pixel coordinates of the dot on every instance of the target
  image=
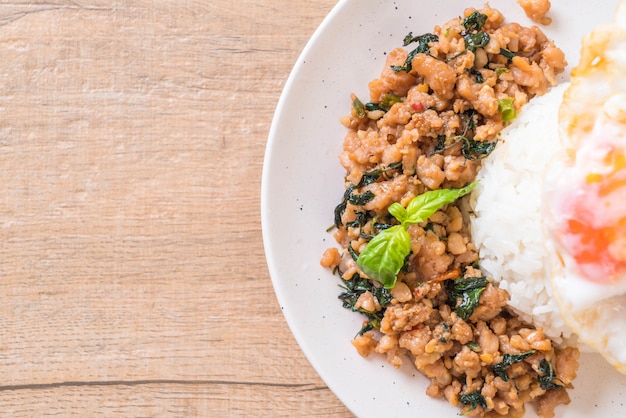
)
(597, 246)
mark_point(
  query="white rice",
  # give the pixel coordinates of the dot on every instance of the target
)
(506, 221)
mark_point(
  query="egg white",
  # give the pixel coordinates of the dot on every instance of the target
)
(592, 120)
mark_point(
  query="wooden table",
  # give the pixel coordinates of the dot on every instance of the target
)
(134, 281)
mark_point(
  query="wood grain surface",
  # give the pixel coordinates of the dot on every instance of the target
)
(133, 279)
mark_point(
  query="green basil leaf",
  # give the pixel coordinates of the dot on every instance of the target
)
(506, 53)
(384, 255)
(361, 199)
(465, 295)
(476, 150)
(476, 40)
(370, 177)
(508, 360)
(398, 211)
(469, 302)
(422, 48)
(425, 205)
(475, 21)
(473, 400)
(548, 379)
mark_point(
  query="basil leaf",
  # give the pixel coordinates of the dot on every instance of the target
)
(469, 283)
(425, 205)
(473, 400)
(353, 253)
(422, 48)
(477, 74)
(548, 380)
(370, 177)
(361, 219)
(361, 199)
(340, 209)
(469, 302)
(468, 290)
(477, 150)
(384, 255)
(508, 360)
(506, 53)
(475, 21)
(353, 289)
(398, 211)
(476, 40)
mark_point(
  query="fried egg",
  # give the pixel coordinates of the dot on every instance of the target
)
(584, 199)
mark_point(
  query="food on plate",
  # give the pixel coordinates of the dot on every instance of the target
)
(536, 10)
(585, 196)
(406, 259)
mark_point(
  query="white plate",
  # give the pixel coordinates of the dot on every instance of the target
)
(303, 181)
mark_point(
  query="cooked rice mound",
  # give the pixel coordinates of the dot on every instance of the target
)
(506, 222)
